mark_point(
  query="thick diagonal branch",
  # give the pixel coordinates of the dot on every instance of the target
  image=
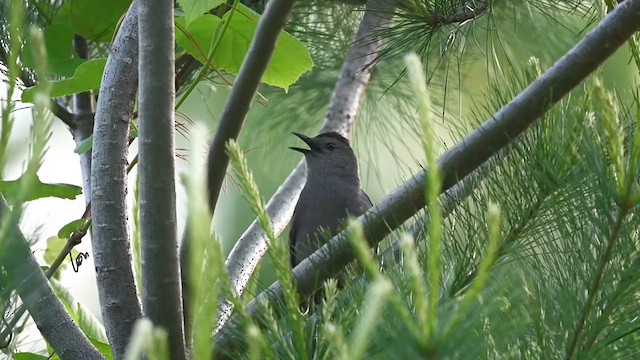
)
(51, 318)
(497, 132)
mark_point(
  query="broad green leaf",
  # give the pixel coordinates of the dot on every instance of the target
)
(87, 143)
(87, 76)
(84, 146)
(88, 323)
(290, 60)
(194, 8)
(94, 19)
(61, 57)
(104, 348)
(9, 189)
(66, 231)
(133, 131)
(52, 354)
(197, 41)
(54, 247)
(28, 356)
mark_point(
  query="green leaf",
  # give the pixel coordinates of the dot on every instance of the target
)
(61, 57)
(88, 323)
(197, 41)
(87, 76)
(194, 8)
(28, 356)
(52, 354)
(133, 131)
(104, 348)
(87, 143)
(84, 146)
(54, 247)
(9, 189)
(96, 20)
(290, 60)
(66, 231)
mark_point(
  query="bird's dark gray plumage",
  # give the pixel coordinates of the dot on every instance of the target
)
(331, 193)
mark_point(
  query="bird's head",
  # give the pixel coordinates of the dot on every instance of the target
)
(328, 154)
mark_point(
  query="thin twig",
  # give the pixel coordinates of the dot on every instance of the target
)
(62, 113)
(623, 285)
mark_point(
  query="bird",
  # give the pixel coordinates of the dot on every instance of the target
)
(332, 192)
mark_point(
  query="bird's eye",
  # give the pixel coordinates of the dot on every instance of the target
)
(331, 146)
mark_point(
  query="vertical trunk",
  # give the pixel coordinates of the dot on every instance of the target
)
(161, 296)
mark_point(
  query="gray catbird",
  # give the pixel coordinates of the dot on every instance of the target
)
(331, 193)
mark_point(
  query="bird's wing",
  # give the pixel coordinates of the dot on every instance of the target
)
(365, 199)
(292, 241)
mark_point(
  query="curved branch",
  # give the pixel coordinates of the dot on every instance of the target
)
(343, 111)
(110, 243)
(497, 132)
(253, 67)
(62, 113)
(44, 306)
(235, 111)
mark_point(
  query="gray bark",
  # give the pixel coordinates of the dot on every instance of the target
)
(83, 121)
(110, 243)
(161, 295)
(51, 318)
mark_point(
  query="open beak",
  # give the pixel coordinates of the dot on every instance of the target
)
(308, 141)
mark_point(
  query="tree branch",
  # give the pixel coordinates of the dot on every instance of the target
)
(73, 240)
(253, 67)
(62, 113)
(161, 295)
(343, 111)
(450, 200)
(497, 132)
(114, 275)
(83, 120)
(51, 318)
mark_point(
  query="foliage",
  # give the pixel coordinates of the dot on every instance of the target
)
(38, 190)
(200, 37)
(197, 37)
